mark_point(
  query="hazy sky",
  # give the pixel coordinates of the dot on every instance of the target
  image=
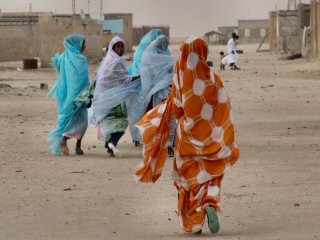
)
(186, 17)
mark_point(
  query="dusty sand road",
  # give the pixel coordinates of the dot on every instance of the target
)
(272, 193)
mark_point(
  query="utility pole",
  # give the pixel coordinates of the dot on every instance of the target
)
(101, 10)
(30, 7)
(73, 7)
(88, 7)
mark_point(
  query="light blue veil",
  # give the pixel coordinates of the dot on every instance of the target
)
(156, 70)
(147, 39)
(72, 68)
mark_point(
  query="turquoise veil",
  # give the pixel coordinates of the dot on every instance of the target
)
(147, 39)
(72, 68)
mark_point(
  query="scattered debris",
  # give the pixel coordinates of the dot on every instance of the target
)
(291, 57)
(44, 86)
(3, 85)
(77, 172)
(270, 85)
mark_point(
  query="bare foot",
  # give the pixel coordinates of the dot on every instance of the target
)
(64, 148)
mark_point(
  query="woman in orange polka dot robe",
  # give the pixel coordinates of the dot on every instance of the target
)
(205, 144)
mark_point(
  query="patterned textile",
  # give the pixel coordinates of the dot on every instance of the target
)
(85, 96)
(115, 121)
(205, 144)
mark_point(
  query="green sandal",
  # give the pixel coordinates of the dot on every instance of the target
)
(213, 220)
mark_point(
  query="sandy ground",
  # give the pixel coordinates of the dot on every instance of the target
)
(272, 193)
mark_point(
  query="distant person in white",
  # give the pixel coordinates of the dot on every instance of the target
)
(232, 58)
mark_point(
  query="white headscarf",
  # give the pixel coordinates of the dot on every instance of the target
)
(112, 72)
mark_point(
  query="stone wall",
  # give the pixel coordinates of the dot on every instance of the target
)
(42, 37)
(286, 30)
(18, 37)
(53, 29)
(252, 31)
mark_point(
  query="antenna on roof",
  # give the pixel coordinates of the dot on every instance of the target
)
(73, 7)
(101, 10)
(292, 4)
(96, 12)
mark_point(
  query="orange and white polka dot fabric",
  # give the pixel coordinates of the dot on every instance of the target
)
(205, 144)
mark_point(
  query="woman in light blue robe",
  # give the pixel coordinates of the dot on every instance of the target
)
(72, 68)
(156, 70)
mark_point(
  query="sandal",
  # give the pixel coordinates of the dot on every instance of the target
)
(114, 150)
(213, 220)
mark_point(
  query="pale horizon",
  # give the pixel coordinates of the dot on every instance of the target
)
(185, 17)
